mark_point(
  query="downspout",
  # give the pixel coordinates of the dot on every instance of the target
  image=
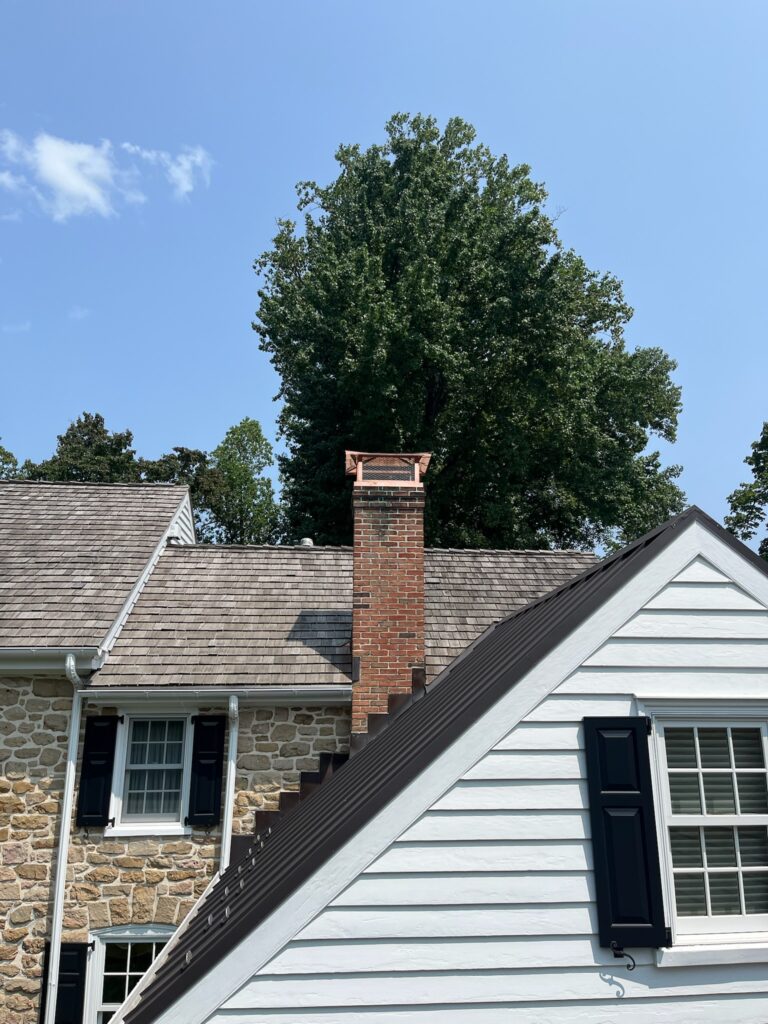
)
(64, 833)
(229, 788)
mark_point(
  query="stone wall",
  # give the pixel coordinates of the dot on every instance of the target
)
(33, 743)
(116, 881)
(275, 745)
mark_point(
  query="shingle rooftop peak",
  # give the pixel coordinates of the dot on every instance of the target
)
(70, 555)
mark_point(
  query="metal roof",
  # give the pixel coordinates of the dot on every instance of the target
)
(255, 886)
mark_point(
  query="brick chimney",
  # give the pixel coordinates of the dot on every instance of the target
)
(388, 577)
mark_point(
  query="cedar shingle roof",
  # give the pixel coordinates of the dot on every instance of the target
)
(283, 615)
(70, 555)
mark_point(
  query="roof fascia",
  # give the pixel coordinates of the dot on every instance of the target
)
(37, 661)
(321, 888)
(184, 510)
(249, 696)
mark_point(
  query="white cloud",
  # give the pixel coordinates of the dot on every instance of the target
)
(69, 179)
(184, 171)
(21, 328)
(79, 313)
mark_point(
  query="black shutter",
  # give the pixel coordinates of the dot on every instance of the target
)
(70, 997)
(630, 910)
(207, 765)
(96, 772)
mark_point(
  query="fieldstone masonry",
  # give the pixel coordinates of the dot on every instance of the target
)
(115, 881)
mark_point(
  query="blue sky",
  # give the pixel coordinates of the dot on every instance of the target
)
(147, 149)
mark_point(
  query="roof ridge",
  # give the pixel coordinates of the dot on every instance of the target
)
(93, 483)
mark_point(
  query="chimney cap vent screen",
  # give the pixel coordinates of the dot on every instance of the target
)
(387, 468)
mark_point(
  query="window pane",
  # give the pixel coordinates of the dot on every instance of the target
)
(753, 847)
(689, 895)
(116, 956)
(138, 753)
(135, 803)
(114, 988)
(171, 803)
(175, 732)
(133, 981)
(724, 893)
(713, 748)
(686, 847)
(141, 956)
(721, 847)
(157, 732)
(684, 793)
(753, 796)
(173, 753)
(748, 748)
(756, 892)
(153, 803)
(718, 794)
(681, 749)
(140, 731)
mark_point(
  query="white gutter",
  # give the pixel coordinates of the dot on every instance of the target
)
(47, 660)
(229, 788)
(64, 833)
(247, 695)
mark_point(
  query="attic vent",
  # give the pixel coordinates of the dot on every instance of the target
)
(389, 469)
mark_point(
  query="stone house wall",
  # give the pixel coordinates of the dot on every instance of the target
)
(116, 881)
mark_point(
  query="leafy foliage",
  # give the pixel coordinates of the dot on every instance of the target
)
(428, 304)
(87, 451)
(749, 502)
(238, 497)
(9, 466)
(232, 500)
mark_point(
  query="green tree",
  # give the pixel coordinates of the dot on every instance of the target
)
(9, 467)
(237, 498)
(88, 451)
(188, 466)
(427, 303)
(749, 502)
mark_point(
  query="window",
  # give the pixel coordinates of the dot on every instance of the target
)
(716, 818)
(119, 961)
(151, 775)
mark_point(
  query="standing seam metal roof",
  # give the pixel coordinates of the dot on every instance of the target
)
(255, 886)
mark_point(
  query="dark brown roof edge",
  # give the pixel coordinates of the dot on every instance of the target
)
(316, 829)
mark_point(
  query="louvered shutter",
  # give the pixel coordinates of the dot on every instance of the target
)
(70, 996)
(207, 766)
(96, 771)
(630, 908)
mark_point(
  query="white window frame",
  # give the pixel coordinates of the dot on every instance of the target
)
(100, 939)
(678, 714)
(134, 825)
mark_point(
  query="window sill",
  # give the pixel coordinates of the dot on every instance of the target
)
(704, 955)
(148, 828)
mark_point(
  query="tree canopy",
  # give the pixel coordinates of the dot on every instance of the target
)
(749, 502)
(232, 499)
(88, 451)
(426, 302)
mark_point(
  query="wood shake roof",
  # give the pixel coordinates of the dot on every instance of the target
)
(70, 554)
(282, 616)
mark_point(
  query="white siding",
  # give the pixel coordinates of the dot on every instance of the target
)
(483, 910)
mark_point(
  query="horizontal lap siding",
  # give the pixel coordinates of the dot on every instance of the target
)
(483, 910)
